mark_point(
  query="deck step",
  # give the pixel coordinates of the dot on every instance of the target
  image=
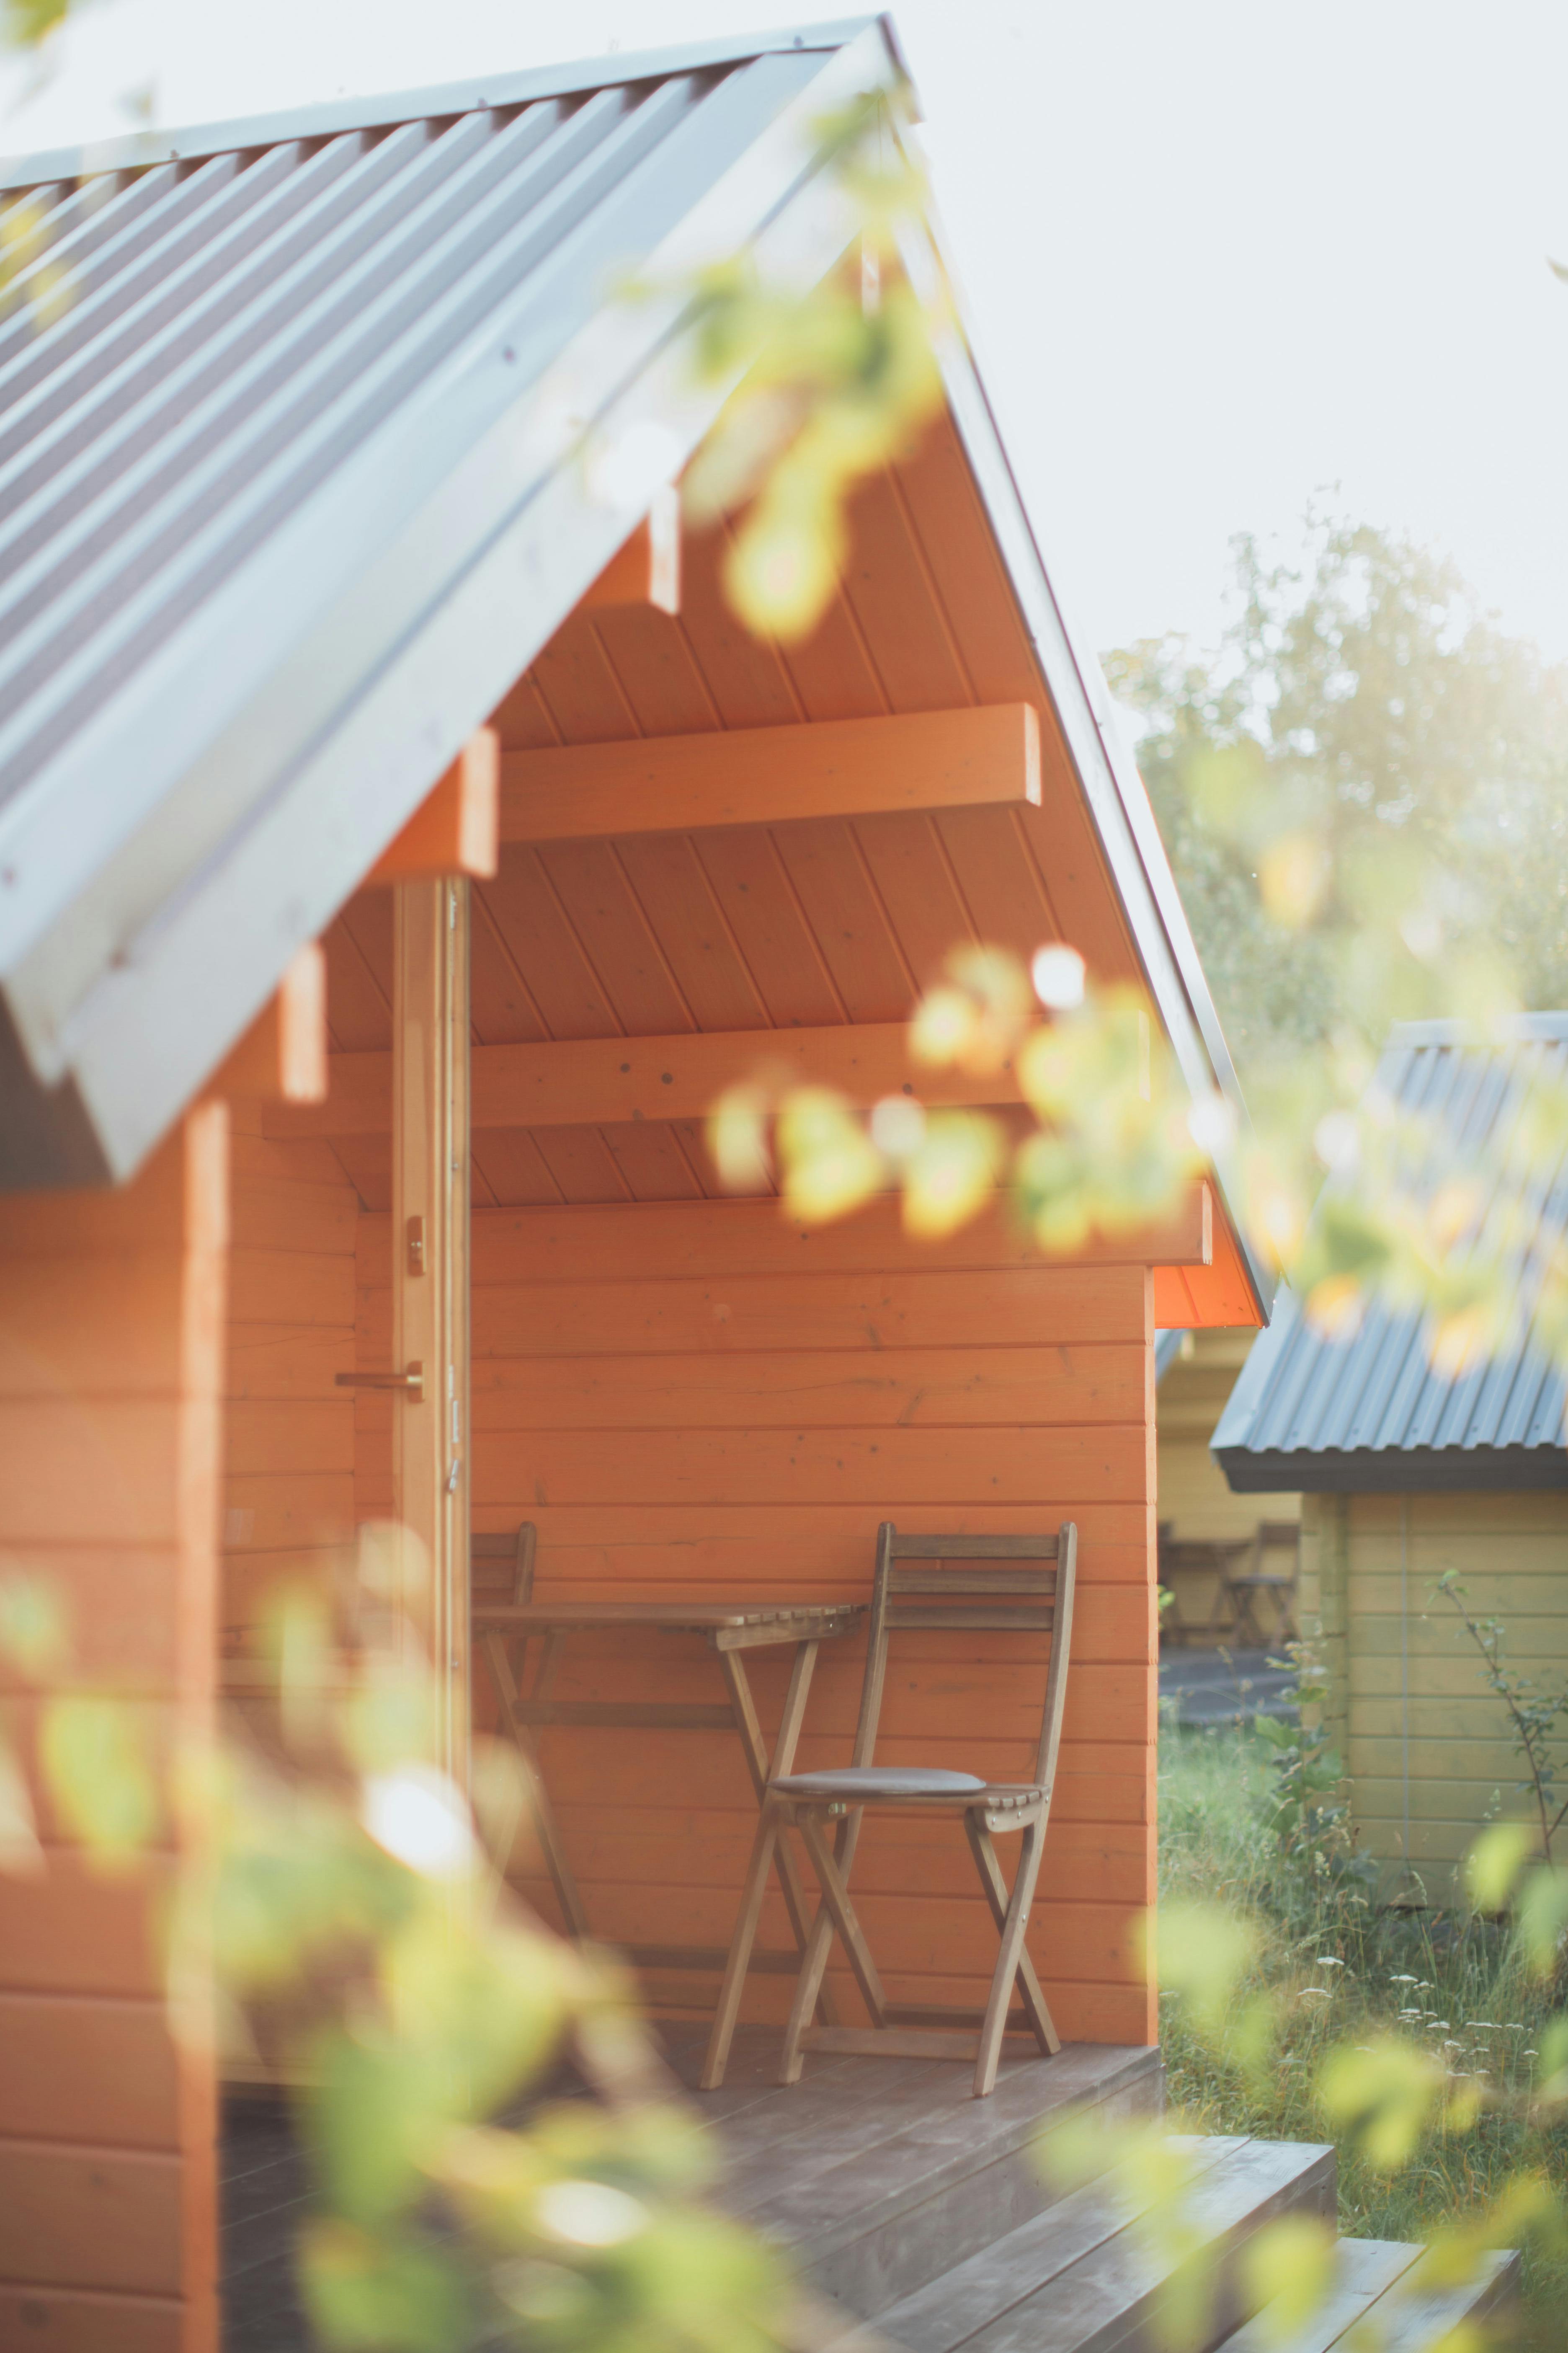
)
(1080, 2277)
(1388, 2279)
(875, 2175)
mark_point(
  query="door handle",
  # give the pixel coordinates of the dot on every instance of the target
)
(411, 1382)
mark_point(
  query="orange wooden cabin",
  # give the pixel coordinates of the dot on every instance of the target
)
(713, 849)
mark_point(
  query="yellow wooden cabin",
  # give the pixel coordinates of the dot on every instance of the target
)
(1410, 1473)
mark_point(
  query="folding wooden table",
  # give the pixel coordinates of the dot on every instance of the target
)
(730, 1631)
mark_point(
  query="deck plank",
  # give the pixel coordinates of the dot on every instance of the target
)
(1099, 2301)
(1363, 2269)
(971, 2296)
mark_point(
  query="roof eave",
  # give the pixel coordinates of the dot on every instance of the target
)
(1395, 1471)
(138, 150)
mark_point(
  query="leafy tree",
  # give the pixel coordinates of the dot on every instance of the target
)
(1364, 798)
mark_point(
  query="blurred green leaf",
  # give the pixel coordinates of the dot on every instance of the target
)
(367, 2294)
(95, 1756)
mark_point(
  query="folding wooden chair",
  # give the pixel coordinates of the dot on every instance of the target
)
(934, 1596)
(1242, 1588)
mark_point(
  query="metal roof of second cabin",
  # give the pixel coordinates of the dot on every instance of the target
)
(1368, 1412)
(300, 472)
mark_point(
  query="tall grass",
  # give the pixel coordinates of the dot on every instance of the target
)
(1341, 1969)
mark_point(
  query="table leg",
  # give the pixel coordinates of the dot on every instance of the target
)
(751, 1731)
(565, 1886)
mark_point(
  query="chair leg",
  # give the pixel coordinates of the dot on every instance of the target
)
(814, 1960)
(807, 1987)
(836, 1895)
(1008, 1958)
(740, 1943)
(995, 1887)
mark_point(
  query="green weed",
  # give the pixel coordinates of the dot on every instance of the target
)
(1338, 1969)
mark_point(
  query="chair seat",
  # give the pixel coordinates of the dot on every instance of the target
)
(862, 1785)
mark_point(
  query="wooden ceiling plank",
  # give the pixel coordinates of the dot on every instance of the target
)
(694, 1143)
(615, 936)
(659, 680)
(916, 885)
(367, 918)
(845, 913)
(582, 1166)
(652, 1163)
(359, 1017)
(945, 510)
(579, 689)
(696, 942)
(517, 1171)
(899, 609)
(1086, 910)
(759, 902)
(831, 673)
(500, 1002)
(549, 956)
(1006, 902)
(774, 775)
(522, 718)
(482, 1194)
(743, 675)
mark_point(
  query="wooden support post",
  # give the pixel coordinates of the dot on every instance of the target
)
(430, 1282)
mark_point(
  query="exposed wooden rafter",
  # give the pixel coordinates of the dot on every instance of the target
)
(453, 830)
(600, 1081)
(772, 775)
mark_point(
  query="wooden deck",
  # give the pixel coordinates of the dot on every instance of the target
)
(907, 2203)
(878, 2175)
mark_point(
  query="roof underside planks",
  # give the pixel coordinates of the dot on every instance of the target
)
(826, 923)
(260, 705)
(1368, 1413)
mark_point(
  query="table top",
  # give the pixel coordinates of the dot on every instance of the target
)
(786, 1619)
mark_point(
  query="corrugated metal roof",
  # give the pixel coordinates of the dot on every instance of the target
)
(1367, 1412)
(301, 404)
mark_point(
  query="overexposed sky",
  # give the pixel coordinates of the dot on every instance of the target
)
(1220, 254)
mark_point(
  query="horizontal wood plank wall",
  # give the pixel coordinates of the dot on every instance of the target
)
(703, 1399)
(288, 1491)
(1195, 1495)
(110, 1374)
(1413, 1697)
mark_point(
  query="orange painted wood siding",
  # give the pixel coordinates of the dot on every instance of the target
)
(701, 1399)
(288, 1498)
(111, 1330)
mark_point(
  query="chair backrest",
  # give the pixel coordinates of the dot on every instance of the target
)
(501, 1569)
(1277, 1536)
(1011, 1585)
